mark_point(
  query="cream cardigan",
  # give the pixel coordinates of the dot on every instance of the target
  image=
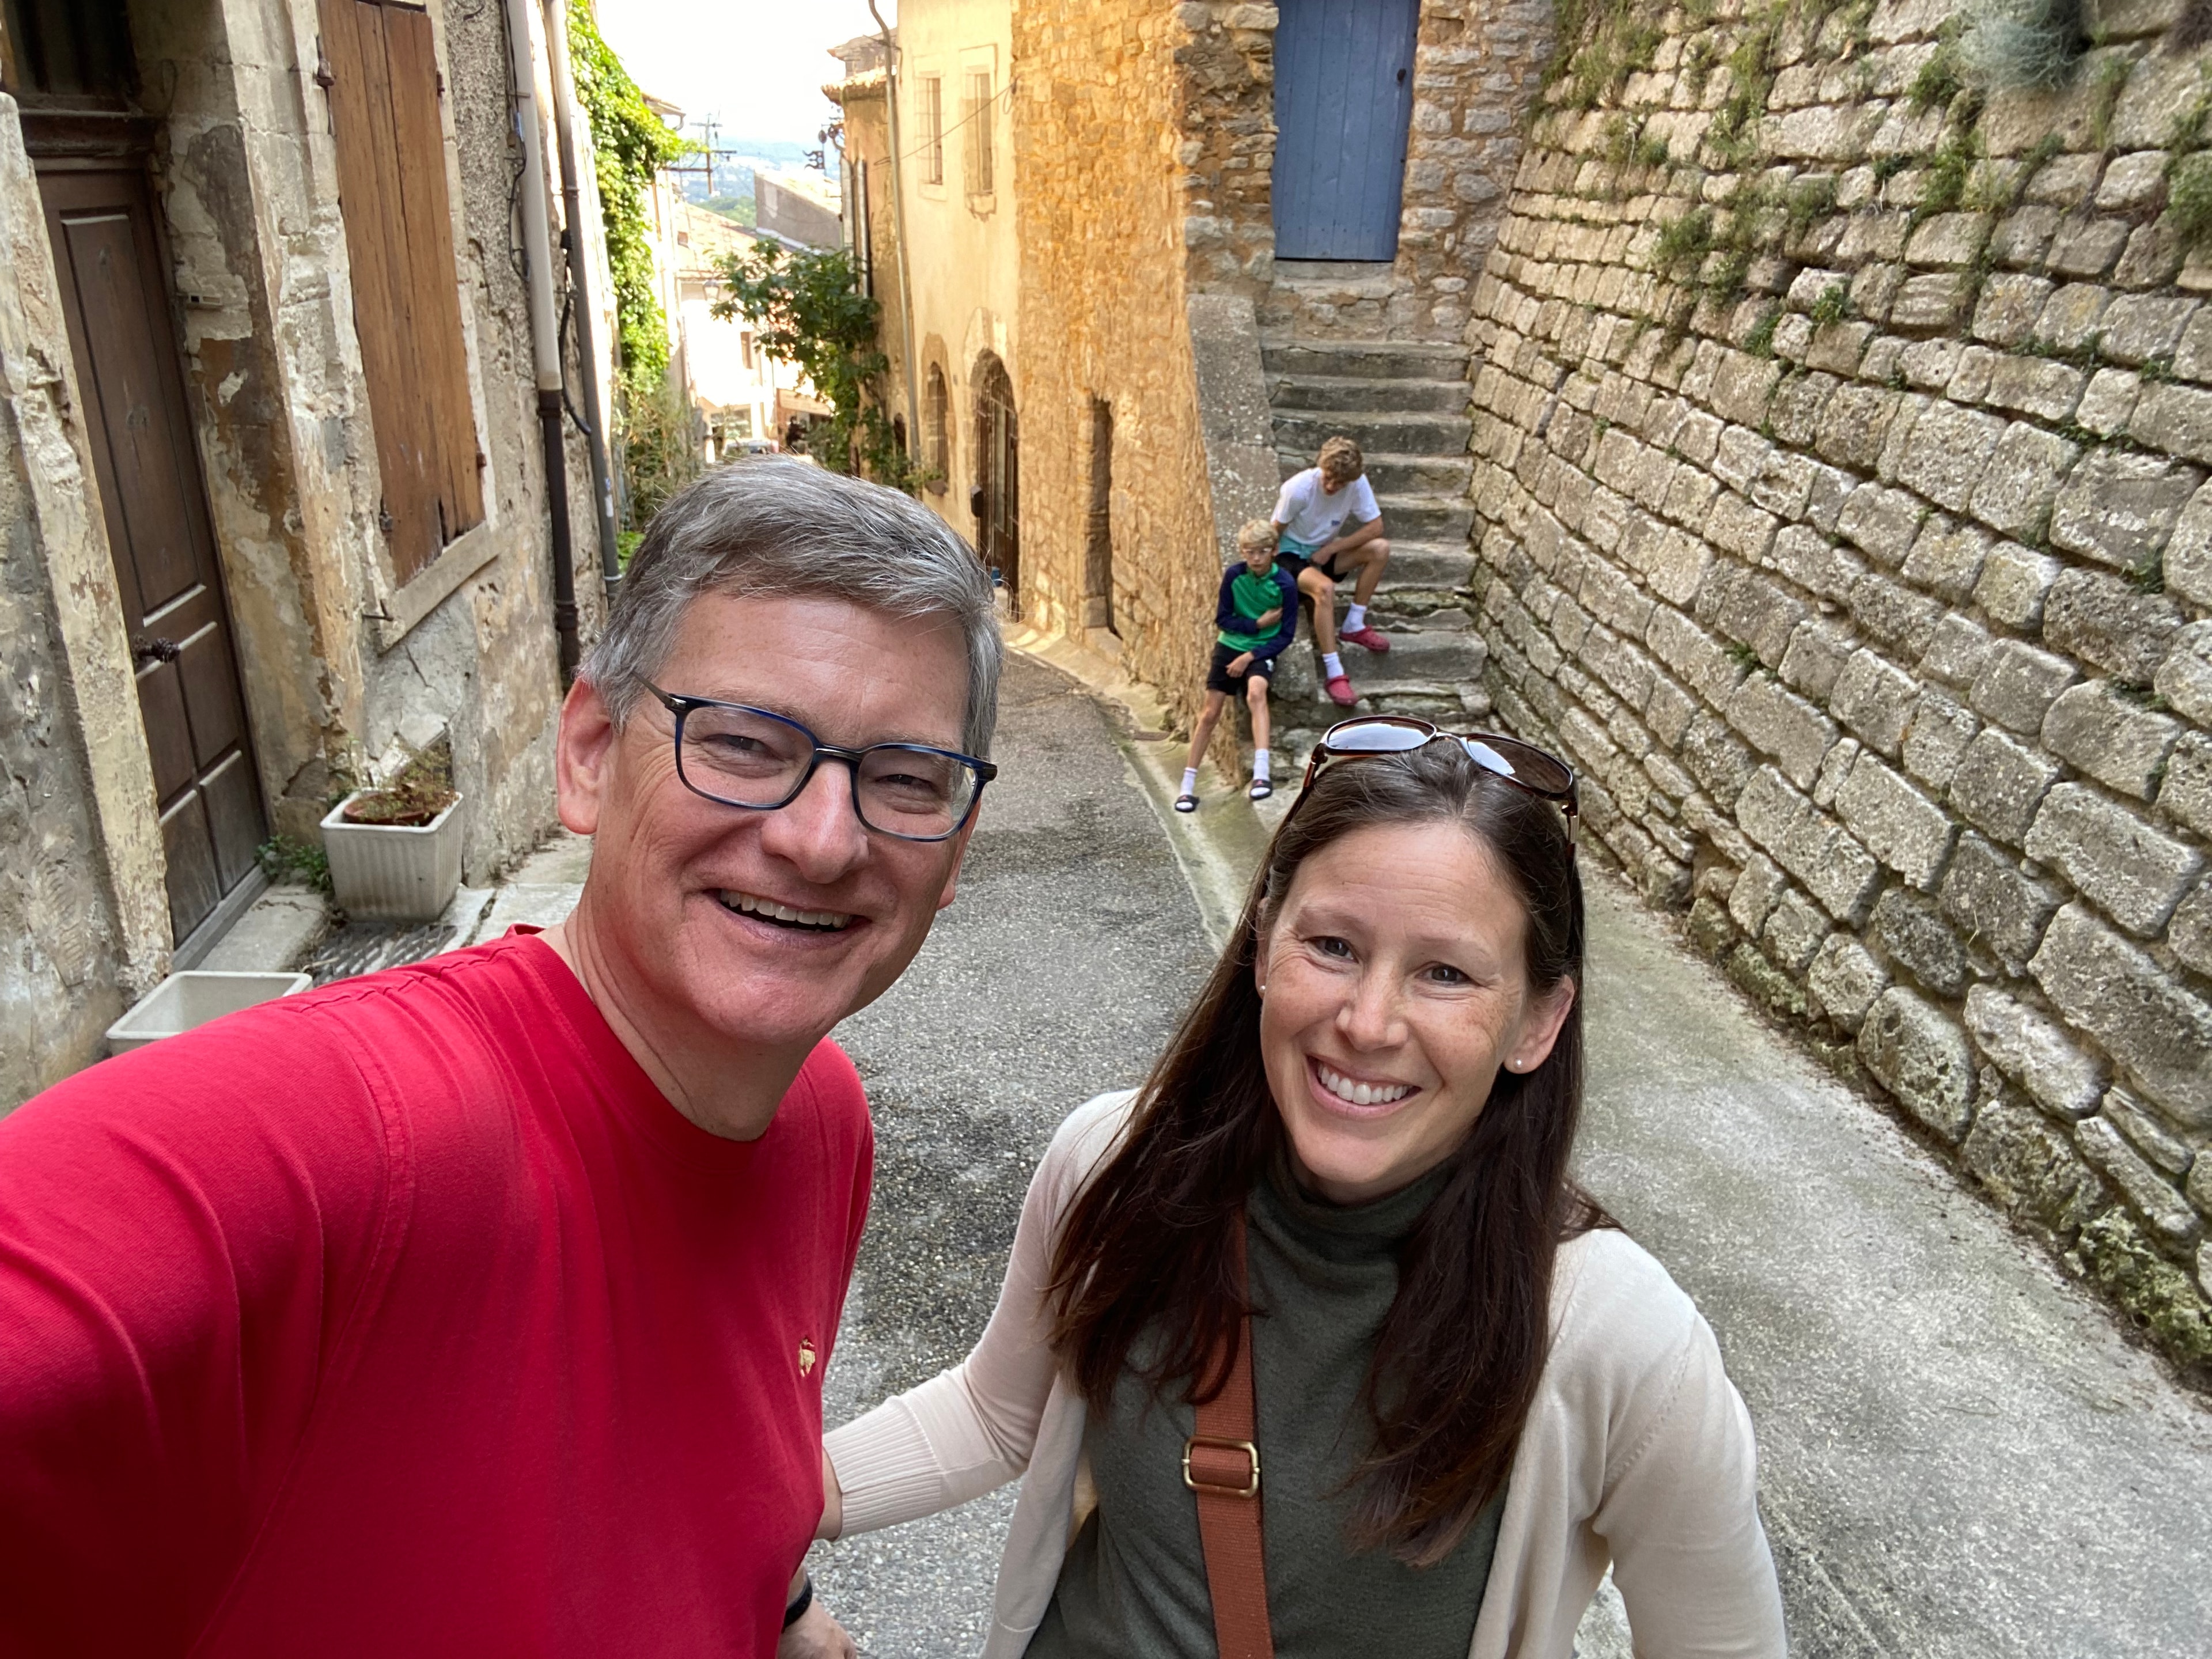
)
(1637, 1450)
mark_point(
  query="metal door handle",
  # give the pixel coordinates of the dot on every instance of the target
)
(158, 651)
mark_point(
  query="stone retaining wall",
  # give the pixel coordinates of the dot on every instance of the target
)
(1842, 435)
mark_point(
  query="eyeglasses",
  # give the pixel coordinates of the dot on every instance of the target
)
(761, 760)
(1523, 765)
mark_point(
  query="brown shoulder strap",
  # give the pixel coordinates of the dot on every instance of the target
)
(1221, 1464)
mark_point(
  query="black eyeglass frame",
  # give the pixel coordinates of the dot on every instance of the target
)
(1568, 800)
(681, 707)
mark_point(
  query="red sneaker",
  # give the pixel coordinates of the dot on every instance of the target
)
(1340, 692)
(1368, 637)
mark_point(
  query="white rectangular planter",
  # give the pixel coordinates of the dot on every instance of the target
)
(193, 997)
(394, 873)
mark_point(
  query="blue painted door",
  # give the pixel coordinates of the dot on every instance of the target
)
(1344, 99)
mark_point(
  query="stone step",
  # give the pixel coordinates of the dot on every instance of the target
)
(1441, 566)
(1428, 658)
(1286, 393)
(1393, 434)
(1437, 658)
(1428, 475)
(1466, 708)
(1445, 519)
(1366, 359)
(1386, 614)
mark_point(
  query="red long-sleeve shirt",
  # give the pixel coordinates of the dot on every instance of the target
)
(408, 1317)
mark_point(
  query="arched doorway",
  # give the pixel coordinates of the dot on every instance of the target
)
(997, 500)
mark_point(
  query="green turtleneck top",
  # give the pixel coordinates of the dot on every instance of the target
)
(1134, 1584)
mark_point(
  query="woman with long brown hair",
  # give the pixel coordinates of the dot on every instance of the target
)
(1312, 1346)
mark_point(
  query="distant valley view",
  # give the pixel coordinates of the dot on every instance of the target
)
(728, 188)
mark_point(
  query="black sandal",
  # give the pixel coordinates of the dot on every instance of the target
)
(1262, 788)
(1186, 803)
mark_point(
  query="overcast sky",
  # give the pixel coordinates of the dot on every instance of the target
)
(759, 65)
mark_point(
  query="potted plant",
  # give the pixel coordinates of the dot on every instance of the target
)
(395, 850)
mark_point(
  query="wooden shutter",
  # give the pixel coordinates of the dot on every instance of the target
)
(978, 114)
(406, 292)
(933, 127)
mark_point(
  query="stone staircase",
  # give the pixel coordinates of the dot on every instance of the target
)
(1405, 406)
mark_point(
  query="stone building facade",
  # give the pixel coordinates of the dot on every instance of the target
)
(1843, 431)
(1144, 143)
(1475, 67)
(943, 238)
(1114, 446)
(1132, 262)
(220, 111)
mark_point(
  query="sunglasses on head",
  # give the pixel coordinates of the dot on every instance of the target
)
(1523, 765)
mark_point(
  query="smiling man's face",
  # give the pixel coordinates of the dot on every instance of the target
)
(684, 893)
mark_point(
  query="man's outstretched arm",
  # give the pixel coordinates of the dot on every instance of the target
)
(173, 1225)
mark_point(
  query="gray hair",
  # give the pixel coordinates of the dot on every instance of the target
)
(781, 528)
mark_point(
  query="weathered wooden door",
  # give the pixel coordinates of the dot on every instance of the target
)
(998, 475)
(1344, 102)
(124, 341)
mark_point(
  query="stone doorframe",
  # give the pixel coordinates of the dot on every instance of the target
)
(38, 383)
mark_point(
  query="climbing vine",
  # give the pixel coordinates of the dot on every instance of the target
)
(629, 145)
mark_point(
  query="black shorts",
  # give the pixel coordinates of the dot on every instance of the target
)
(1294, 562)
(1218, 678)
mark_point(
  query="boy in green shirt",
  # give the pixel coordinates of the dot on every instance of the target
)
(1257, 616)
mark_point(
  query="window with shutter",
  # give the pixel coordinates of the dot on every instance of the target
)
(936, 410)
(932, 129)
(977, 118)
(384, 95)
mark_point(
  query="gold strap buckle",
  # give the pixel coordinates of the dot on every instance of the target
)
(1250, 1487)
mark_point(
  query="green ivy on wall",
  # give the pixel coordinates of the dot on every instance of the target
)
(629, 145)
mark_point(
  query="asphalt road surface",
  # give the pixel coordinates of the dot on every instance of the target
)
(1057, 974)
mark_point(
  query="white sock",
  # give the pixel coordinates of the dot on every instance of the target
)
(1355, 619)
(1260, 764)
(1190, 780)
(1330, 662)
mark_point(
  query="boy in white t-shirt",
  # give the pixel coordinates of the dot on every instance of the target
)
(1319, 551)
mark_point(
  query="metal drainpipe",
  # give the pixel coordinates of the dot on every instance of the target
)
(566, 128)
(898, 225)
(544, 339)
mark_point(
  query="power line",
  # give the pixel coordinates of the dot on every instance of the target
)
(938, 137)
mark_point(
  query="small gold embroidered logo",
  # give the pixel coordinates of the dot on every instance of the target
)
(805, 1355)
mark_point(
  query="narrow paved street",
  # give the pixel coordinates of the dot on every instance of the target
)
(1960, 1455)
(1056, 974)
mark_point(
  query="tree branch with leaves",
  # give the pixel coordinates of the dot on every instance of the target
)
(808, 309)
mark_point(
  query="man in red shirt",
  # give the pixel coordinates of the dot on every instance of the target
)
(483, 1306)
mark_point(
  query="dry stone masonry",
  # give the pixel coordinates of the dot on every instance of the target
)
(1101, 89)
(1843, 419)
